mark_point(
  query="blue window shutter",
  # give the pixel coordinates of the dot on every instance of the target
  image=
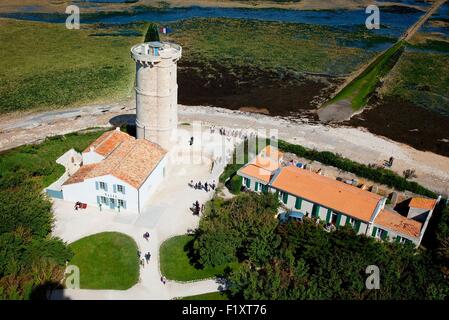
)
(124, 204)
(114, 187)
(98, 199)
(105, 187)
(96, 185)
(123, 188)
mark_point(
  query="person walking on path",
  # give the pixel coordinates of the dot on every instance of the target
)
(146, 235)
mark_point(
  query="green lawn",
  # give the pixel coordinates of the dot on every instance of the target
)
(106, 260)
(175, 262)
(208, 296)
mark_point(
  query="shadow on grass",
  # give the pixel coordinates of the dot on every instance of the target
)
(192, 254)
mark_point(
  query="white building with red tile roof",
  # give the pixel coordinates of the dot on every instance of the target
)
(333, 201)
(119, 172)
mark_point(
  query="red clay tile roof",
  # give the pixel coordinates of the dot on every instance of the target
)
(327, 192)
(81, 174)
(108, 142)
(256, 172)
(394, 221)
(132, 161)
(422, 203)
(262, 166)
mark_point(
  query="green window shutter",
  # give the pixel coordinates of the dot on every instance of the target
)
(373, 234)
(298, 203)
(256, 186)
(265, 188)
(384, 235)
(397, 239)
(357, 226)
(315, 211)
(348, 221)
(338, 220)
(248, 182)
(329, 215)
(285, 198)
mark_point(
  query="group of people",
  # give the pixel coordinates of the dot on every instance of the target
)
(200, 186)
(233, 133)
(145, 258)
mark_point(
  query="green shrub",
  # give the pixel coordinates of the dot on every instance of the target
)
(235, 184)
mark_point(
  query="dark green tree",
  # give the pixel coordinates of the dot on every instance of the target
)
(152, 33)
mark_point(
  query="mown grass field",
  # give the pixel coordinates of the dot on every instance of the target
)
(106, 260)
(176, 264)
(48, 66)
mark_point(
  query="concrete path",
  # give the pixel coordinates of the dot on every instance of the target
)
(167, 214)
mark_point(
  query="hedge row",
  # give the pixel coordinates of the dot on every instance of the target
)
(379, 175)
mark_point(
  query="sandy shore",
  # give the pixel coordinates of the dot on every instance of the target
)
(357, 144)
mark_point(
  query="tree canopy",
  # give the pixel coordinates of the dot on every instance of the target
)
(302, 261)
(152, 33)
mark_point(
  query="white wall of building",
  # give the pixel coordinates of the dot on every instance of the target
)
(153, 181)
(87, 192)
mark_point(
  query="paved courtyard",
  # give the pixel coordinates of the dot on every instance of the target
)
(166, 214)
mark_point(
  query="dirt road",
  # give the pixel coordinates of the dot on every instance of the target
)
(357, 144)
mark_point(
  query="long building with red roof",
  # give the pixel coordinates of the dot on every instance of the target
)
(335, 202)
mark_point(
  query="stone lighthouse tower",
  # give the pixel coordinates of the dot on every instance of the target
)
(156, 91)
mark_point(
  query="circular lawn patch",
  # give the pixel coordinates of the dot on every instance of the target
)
(106, 260)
